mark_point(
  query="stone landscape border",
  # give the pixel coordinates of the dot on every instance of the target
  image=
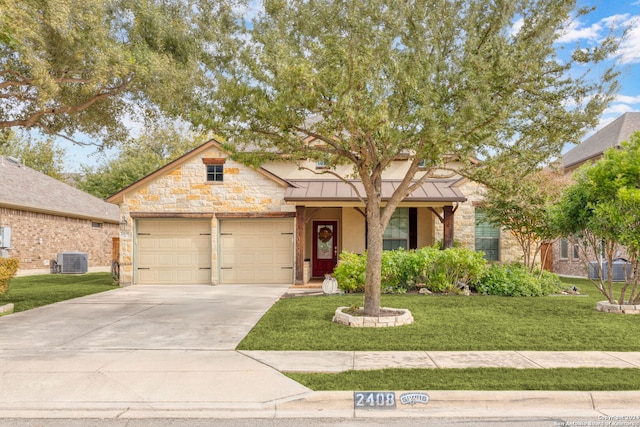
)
(6, 309)
(402, 317)
(607, 307)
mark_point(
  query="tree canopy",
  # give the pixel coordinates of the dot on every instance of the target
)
(89, 67)
(602, 211)
(42, 155)
(136, 159)
(523, 207)
(367, 80)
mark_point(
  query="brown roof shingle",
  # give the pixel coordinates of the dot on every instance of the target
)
(26, 189)
(609, 136)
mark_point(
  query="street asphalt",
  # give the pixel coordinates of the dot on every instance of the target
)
(144, 352)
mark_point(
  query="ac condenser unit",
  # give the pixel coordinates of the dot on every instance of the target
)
(73, 262)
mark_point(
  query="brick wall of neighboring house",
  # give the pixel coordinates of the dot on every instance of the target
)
(37, 238)
(465, 221)
(185, 189)
(569, 266)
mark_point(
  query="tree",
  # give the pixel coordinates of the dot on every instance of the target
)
(136, 159)
(522, 208)
(41, 155)
(601, 211)
(70, 67)
(366, 80)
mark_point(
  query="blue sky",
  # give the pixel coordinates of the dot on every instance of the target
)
(586, 31)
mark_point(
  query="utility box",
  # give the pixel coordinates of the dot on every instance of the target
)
(5, 237)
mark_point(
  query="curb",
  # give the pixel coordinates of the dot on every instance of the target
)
(621, 406)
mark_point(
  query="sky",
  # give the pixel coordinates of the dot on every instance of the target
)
(586, 30)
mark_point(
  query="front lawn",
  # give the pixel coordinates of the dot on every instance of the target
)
(27, 292)
(579, 379)
(451, 323)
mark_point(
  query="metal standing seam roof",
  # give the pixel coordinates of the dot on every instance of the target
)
(26, 189)
(609, 136)
(334, 190)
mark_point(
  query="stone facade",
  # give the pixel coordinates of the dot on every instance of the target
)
(184, 190)
(465, 222)
(37, 238)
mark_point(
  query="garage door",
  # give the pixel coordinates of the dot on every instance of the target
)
(174, 251)
(256, 251)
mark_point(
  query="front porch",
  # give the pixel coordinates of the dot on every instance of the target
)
(322, 233)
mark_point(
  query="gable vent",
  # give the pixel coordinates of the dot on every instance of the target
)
(73, 262)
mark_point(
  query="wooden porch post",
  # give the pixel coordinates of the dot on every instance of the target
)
(447, 239)
(299, 257)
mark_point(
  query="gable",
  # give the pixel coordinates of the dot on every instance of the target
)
(191, 165)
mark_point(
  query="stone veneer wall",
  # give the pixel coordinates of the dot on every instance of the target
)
(184, 189)
(37, 238)
(464, 225)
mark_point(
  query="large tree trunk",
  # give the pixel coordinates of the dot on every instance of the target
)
(374, 260)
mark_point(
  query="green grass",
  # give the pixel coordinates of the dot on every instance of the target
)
(451, 323)
(27, 292)
(579, 379)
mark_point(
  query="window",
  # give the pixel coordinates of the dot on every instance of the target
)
(322, 164)
(576, 251)
(215, 173)
(487, 237)
(96, 225)
(564, 249)
(396, 235)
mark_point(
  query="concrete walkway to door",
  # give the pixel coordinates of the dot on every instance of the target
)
(139, 348)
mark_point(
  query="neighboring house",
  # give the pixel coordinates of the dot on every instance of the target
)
(565, 253)
(207, 219)
(41, 217)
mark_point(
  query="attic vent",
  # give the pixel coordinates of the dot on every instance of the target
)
(73, 262)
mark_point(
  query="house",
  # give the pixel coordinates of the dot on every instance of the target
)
(41, 218)
(207, 219)
(565, 254)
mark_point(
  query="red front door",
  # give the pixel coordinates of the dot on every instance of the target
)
(325, 247)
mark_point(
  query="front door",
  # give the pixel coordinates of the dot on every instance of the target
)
(325, 247)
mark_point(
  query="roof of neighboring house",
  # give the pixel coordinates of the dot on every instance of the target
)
(609, 136)
(334, 190)
(26, 189)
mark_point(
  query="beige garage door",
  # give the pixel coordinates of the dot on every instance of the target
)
(256, 251)
(174, 251)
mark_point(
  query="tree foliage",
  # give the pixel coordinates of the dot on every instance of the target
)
(41, 155)
(136, 159)
(366, 80)
(522, 208)
(72, 67)
(601, 211)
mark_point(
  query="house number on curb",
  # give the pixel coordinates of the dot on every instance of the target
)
(374, 400)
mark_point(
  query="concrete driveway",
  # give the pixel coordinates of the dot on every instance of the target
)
(140, 348)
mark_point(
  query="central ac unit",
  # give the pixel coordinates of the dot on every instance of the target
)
(73, 262)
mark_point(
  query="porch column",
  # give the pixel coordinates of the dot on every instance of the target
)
(299, 257)
(447, 239)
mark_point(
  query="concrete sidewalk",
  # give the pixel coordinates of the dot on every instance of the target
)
(339, 361)
(168, 352)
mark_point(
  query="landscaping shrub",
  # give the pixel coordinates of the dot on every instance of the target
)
(513, 280)
(8, 269)
(439, 270)
(447, 270)
(350, 272)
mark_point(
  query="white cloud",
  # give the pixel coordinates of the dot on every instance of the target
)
(576, 31)
(629, 51)
(625, 99)
(618, 109)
